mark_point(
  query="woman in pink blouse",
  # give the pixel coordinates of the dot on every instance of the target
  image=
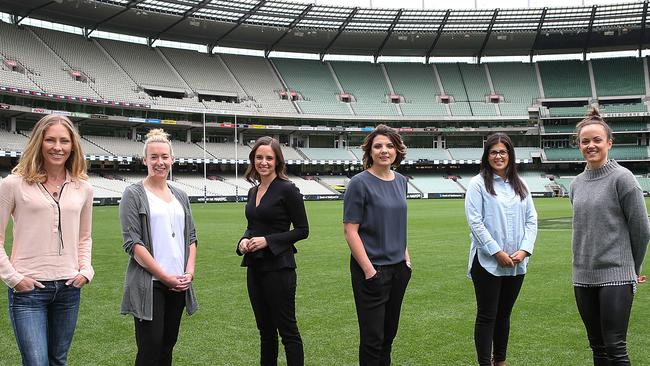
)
(50, 202)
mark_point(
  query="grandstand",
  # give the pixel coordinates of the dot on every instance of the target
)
(115, 88)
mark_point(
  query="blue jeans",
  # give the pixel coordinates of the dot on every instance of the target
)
(44, 321)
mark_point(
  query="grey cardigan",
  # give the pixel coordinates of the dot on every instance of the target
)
(138, 282)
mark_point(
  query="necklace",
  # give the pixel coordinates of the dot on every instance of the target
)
(55, 192)
(172, 217)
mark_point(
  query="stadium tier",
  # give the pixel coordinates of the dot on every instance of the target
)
(314, 82)
(315, 153)
(618, 76)
(40, 64)
(565, 79)
(618, 152)
(12, 141)
(438, 183)
(417, 84)
(204, 74)
(69, 64)
(259, 81)
(367, 83)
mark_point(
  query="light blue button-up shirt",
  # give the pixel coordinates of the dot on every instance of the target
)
(499, 222)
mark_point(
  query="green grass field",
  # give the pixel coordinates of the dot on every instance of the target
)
(437, 316)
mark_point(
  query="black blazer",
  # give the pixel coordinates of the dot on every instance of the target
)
(281, 206)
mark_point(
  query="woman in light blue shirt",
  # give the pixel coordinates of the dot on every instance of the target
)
(503, 226)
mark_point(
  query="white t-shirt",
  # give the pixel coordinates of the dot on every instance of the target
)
(167, 221)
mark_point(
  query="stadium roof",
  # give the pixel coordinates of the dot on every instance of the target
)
(273, 25)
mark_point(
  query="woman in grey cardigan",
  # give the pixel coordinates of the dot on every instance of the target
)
(160, 239)
(610, 239)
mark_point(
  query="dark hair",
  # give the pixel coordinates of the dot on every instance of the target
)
(511, 170)
(251, 174)
(593, 118)
(394, 137)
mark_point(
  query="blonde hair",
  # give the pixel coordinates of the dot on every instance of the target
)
(30, 165)
(157, 135)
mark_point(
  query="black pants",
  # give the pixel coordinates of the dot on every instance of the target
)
(156, 338)
(378, 303)
(273, 298)
(605, 311)
(495, 297)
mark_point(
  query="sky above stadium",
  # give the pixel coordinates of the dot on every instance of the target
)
(461, 4)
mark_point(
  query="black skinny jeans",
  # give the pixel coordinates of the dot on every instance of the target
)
(378, 302)
(495, 297)
(156, 338)
(273, 298)
(605, 311)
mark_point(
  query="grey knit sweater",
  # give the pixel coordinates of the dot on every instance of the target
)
(610, 226)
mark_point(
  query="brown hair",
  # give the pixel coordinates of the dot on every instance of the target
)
(251, 175)
(394, 137)
(511, 170)
(593, 118)
(30, 165)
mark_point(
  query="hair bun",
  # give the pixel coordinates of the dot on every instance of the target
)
(593, 112)
(157, 132)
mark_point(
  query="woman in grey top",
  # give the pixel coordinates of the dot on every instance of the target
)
(160, 239)
(374, 221)
(610, 239)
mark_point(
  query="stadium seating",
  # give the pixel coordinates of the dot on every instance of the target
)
(12, 141)
(568, 111)
(144, 65)
(188, 150)
(418, 85)
(526, 152)
(466, 153)
(516, 82)
(618, 76)
(367, 83)
(565, 79)
(44, 68)
(452, 81)
(110, 82)
(314, 82)
(618, 152)
(14, 79)
(537, 181)
(435, 183)
(628, 126)
(290, 153)
(427, 154)
(563, 154)
(202, 73)
(475, 81)
(320, 153)
(310, 186)
(623, 108)
(227, 150)
(116, 145)
(257, 78)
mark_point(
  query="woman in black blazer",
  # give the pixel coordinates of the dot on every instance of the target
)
(274, 204)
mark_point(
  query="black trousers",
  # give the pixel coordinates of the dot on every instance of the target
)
(605, 311)
(495, 297)
(273, 298)
(378, 302)
(156, 338)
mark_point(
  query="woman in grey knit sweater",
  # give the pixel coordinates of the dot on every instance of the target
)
(610, 239)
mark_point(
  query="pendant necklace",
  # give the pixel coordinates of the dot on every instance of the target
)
(171, 218)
